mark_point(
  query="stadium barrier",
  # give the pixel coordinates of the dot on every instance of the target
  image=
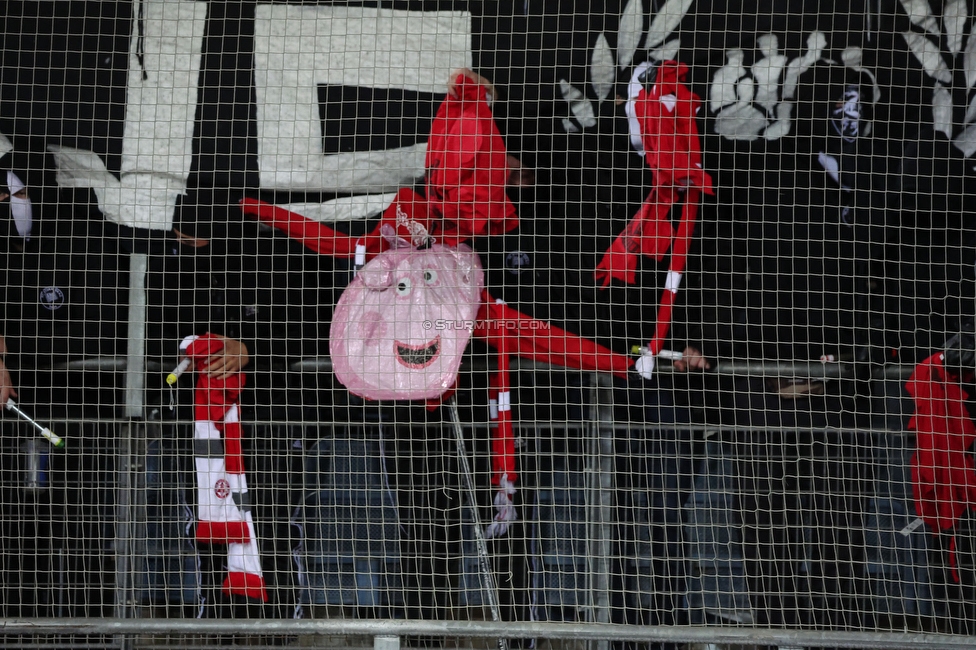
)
(627, 533)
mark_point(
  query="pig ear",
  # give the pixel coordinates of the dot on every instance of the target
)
(468, 265)
(378, 275)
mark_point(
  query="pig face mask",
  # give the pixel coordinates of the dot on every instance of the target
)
(401, 326)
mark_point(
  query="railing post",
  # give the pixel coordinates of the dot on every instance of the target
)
(386, 642)
(125, 490)
(135, 383)
(135, 366)
(600, 499)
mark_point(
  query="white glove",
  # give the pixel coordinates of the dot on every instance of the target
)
(504, 510)
(645, 366)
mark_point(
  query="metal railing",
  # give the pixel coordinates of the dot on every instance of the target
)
(117, 512)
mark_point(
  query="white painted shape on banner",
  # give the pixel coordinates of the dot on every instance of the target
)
(722, 92)
(942, 110)
(297, 48)
(929, 56)
(920, 13)
(970, 111)
(665, 21)
(5, 145)
(954, 21)
(783, 123)
(346, 208)
(966, 141)
(766, 71)
(157, 144)
(629, 32)
(667, 51)
(969, 59)
(742, 120)
(578, 103)
(816, 42)
(603, 73)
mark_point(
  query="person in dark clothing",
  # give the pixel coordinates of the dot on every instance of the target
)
(7, 388)
(59, 291)
(219, 275)
(41, 299)
(205, 279)
(52, 312)
(204, 303)
(240, 279)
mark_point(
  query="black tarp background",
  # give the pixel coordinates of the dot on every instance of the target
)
(787, 265)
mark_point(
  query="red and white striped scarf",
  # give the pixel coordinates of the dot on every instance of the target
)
(223, 504)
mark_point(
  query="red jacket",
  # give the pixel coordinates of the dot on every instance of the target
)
(667, 114)
(467, 168)
(943, 470)
(669, 136)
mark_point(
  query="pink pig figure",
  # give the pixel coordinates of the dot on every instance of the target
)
(402, 325)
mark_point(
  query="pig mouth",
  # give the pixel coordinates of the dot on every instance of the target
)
(417, 356)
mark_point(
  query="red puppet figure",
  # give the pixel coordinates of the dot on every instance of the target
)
(663, 112)
(394, 334)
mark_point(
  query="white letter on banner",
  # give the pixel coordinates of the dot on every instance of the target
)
(297, 48)
(157, 146)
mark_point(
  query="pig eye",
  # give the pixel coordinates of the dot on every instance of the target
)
(403, 287)
(430, 276)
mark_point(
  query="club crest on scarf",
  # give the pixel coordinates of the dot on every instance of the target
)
(222, 488)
